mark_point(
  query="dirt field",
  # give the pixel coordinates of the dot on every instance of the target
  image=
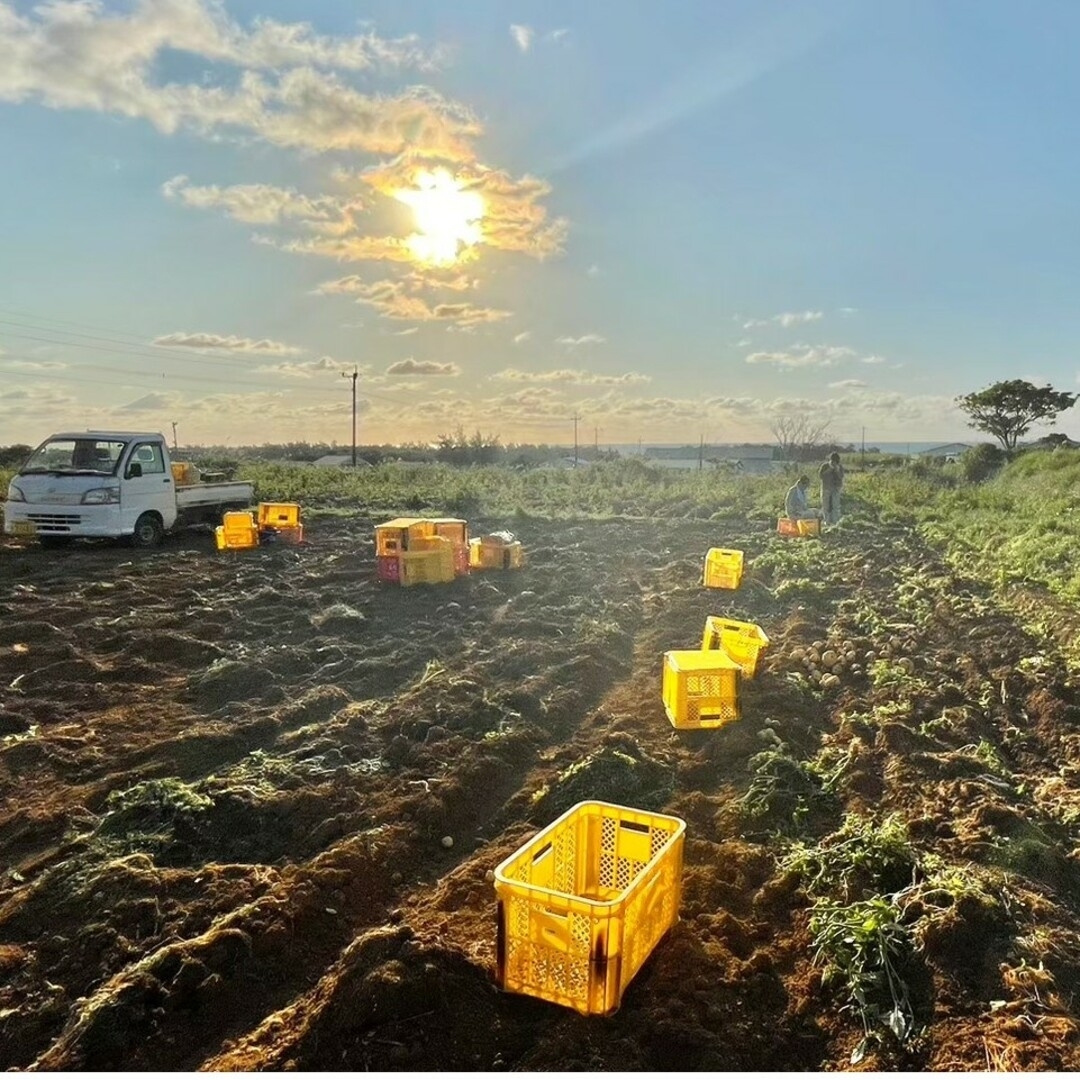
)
(226, 780)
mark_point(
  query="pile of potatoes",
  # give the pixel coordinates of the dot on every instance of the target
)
(827, 661)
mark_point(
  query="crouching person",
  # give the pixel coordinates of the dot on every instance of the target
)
(796, 505)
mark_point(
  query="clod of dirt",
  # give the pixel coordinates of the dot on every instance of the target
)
(229, 680)
(338, 618)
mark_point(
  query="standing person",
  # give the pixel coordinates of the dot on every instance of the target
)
(832, 481)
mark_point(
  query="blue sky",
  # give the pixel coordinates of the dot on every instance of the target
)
(675, 222)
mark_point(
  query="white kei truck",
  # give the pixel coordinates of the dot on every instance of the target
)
(111, 484)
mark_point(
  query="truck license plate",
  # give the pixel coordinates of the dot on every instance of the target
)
(24, 528)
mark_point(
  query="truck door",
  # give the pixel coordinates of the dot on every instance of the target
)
(147, 484)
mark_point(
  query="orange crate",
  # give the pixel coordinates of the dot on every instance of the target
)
(454, 529)
(723, 569)
(582, 905)
(700, 689)
(740, 641)
(787, 527)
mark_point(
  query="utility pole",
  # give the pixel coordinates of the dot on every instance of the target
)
(353, 376)
(576, 419)
(701, 454)
(174, 436)
(596, 440)
(864, 447)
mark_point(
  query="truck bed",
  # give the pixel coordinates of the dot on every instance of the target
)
(198, 495)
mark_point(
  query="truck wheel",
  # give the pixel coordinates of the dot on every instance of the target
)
(54, 541)
(149, 532)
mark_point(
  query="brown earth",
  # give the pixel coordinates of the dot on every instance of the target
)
(226, 780)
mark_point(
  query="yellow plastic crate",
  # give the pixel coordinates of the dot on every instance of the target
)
(700, 689)
(184, 473)
(434, 566)
(583, 904)
(723, 569)
(455, 530)
(740, 641)
(279, 515)
(394, 537)
(809, 526)
(491, 555)
(237, 530)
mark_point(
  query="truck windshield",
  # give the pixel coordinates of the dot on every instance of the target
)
(88, 457)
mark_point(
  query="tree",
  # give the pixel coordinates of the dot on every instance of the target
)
(795, 432)
(1007, 409)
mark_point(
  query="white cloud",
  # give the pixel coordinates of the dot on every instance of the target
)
(847, 384)
(523, 36)
(393, 301)
(785, 319)
(521, 338)
(264, 204)
(231, 343)
(152, 402)
(31, 365)
(805, 356)
(875, 360)
(422, 367)
(593, 271)
(78, 55)
(566, 375)
(585, 339)
(306, 369)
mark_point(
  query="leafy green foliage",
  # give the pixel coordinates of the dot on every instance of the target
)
(865, 946)
(1007, 409)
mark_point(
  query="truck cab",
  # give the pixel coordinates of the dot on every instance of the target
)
(110, 484)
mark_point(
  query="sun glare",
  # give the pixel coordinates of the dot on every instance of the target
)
(447, 218)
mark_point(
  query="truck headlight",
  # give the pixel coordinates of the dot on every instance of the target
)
(14, 493)
(102, 495)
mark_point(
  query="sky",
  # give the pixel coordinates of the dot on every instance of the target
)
(671, 223)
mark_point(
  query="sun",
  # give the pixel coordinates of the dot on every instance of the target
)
(447, 218)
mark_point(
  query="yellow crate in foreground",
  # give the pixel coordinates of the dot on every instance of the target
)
(723, 569)
(741, 641)
(700, 689)
(583, 904)
(237, 530)
(809, 526)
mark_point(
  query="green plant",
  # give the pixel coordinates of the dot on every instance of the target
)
(863, 855)
(865, 947)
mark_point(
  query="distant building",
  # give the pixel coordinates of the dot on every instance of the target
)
(341, 461)
(949, 452)
(746, 458)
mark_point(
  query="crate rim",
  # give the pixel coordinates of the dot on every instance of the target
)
(594, 905)
(722, 620)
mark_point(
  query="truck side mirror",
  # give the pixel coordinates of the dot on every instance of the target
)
(134, 469)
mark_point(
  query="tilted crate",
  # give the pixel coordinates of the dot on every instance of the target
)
(496, 555)
(809, 526)
(582, 905)
(279, 515)
(237, 530)
(787, 527)
(700, 689)
(394, 537)
(723, 569)
(456, 530)
(740, 641)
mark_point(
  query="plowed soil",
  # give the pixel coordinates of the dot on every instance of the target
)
(250, 803)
